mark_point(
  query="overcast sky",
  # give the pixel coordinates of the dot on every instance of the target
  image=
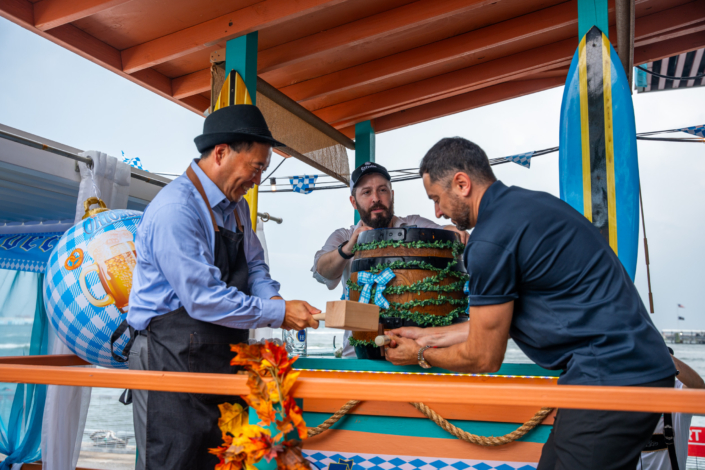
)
(51, 92)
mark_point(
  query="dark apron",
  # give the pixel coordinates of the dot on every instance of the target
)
(181, 427)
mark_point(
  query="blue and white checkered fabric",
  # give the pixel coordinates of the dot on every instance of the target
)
(695, 130)
(523, 159)
(303, 184)
(321, 460)
(368, 280)
(83, 327)
(23, 265)
(134, 162)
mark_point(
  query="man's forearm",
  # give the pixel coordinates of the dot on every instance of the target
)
(331, 265)
(456, 358)
(444, 336)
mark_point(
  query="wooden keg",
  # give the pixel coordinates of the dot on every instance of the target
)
(427, 289)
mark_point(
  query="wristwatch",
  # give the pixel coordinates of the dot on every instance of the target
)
(341, 252)
(422, 361)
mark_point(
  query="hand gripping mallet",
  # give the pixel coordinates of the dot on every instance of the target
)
(348, 315)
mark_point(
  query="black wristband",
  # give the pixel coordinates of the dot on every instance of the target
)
(341, 252)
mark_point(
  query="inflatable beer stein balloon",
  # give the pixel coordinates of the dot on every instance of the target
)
(88, 282)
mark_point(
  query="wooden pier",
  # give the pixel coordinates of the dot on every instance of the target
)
(684, 336)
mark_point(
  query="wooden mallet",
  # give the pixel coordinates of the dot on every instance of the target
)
(348, 315)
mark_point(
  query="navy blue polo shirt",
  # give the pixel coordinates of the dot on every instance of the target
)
(575, 307)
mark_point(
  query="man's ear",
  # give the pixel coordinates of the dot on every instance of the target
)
(220, 152)
(353, 202)
(462, 184)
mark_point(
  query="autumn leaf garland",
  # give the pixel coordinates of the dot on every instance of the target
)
(270, 379)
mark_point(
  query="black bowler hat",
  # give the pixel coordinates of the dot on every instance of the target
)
(235, 123)
(367, 168)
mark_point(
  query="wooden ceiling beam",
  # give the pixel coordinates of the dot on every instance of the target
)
(674, 18)
(246, 20)
(50, 14)
(191, 84)
(478, 42)
(511, 67)
(661, 50)
(474, 99)
(198, 102)
(454, 83)
(375, 27)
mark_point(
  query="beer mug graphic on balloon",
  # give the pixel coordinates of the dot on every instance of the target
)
(114, 259)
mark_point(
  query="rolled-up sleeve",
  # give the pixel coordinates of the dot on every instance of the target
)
(333, 242)
(183, 255)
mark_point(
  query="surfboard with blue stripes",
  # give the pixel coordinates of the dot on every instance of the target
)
(599, 171)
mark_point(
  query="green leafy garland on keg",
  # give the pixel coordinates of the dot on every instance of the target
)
(429, 284)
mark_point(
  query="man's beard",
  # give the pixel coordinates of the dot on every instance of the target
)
(381, 220)
(460, 214)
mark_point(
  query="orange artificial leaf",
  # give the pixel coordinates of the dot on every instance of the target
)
(284, 427)
(276, 357)
(248, 355)
(262, 407)
(292, 410)
(288, 381)
(232, 418)
(290, 457)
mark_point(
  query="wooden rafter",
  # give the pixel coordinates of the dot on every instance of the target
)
(515, 33)
(246, 20)
(49, 14)
(444, 86)
(466, 101)
(376, 27)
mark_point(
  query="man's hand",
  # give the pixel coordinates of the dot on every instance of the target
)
(347, 248)
(298, 315)
(405, 353)
(464, 236)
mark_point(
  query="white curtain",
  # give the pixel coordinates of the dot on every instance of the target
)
(66, 407)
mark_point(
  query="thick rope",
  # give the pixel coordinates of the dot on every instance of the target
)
(482, 440)
(333, 419)
(445, 425)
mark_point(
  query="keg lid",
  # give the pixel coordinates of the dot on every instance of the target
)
(407, 234)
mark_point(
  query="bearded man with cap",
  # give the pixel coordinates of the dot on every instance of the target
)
(372, 196)
(200, 283)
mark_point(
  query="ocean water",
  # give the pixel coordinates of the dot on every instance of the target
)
(106, 413)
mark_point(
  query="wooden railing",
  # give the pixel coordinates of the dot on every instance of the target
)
(54, 370)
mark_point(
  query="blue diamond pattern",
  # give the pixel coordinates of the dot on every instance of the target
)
(319, 456)
(460, 465)
(357, 459)
(375, 468)
(481, 466)
(398, 462)
(527, 467)
(377, 460)
(335, 457)
(438, 464)
(504, 466)
(419, 463)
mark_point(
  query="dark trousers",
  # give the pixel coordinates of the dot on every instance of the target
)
(599, 440)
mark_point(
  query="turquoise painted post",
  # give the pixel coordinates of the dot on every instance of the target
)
(592, 13)
(364, 147)
(241, 56)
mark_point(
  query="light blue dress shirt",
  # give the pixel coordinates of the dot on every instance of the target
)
(175, 242)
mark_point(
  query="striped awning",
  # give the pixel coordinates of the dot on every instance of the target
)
(683, 66)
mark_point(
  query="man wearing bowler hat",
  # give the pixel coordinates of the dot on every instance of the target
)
(200, 283)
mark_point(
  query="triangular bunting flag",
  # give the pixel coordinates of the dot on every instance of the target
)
(523, 159)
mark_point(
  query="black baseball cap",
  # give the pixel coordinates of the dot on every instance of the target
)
(365, 169)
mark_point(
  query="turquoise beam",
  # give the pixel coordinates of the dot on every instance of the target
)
(241, 56)
(592, 13)
(364, 147)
